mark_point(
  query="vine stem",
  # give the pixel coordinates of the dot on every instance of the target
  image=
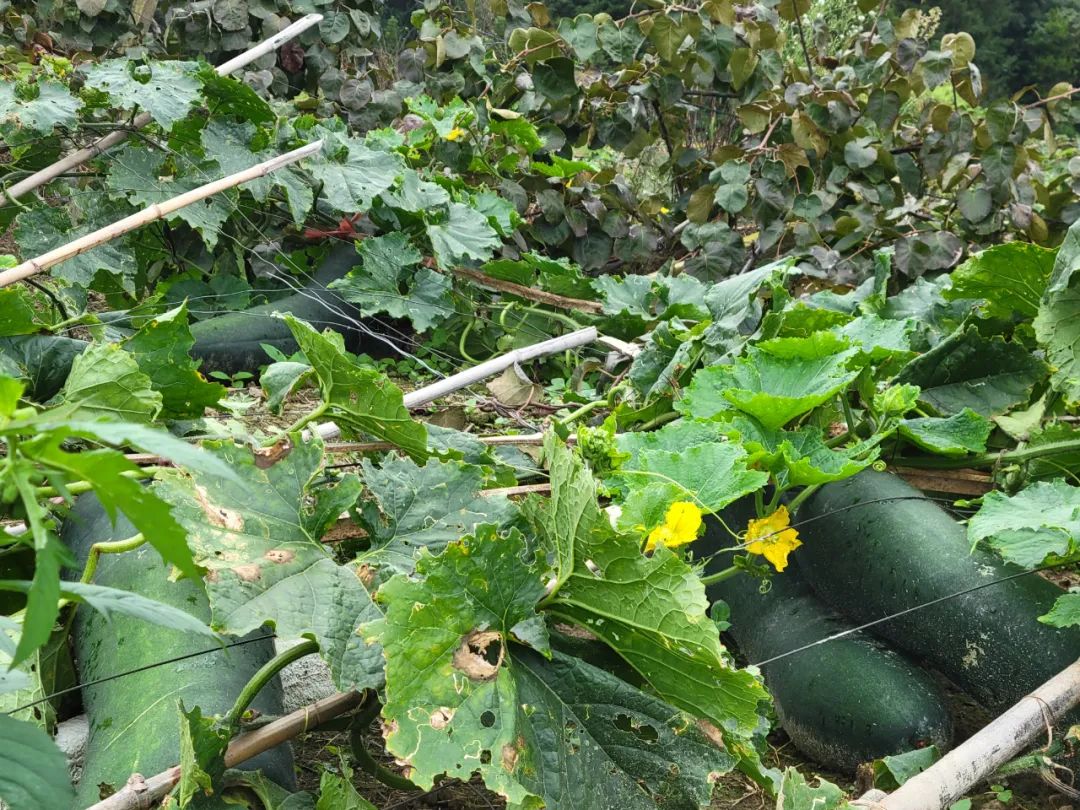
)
(361, 757)
(111, 547)
(263, 676)
(991, 459)
(79, 487)
(720, 576)
(300, 423)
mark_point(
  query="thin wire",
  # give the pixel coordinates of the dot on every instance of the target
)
(136, 670)
(906, 611)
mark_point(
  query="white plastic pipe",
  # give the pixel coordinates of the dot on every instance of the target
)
(489, 368)
(952, 776)
(153, 212)
(76, 159)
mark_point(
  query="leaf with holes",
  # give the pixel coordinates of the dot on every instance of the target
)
(136, 175)
(653, 612)
(361, 399)
(452, 703)
(51, 106)
(166, 90)
(351, 185)
(259, 542)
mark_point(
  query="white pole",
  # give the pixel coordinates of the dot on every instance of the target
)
(156, 211)
(422, 396)
(952, 776)
(76, 159)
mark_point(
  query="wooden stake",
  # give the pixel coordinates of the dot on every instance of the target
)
(539, 296)
(141, 793)
(157, 211)
(76, 159)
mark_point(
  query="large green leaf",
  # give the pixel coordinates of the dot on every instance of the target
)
(39, 230)
(1010, 279)
(653, 612)
(710, 475)
(361, 399)
(162, 350)
(956, 435)
(106, 381)
(50, 105)
(1057, 328)
(138, 175)
(164, 89)
(353, 183)
(389, 282)
(462, 233)
(33, 771)
(1040, 521)
(260, 545)
(600, 743)
(17, 313)
(451, 693)
(570, 513)
(111, 602)
(967, 370)
(775, 381)
(425, 508)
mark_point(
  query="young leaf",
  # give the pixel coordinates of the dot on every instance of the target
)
(1040, 521)
(708, 475)
(105, 381)
(1009, 278)
(956, 435)
(775, 381)
(202, 755)
(260, 546)
(33, 771)
(162, 348)
(361, 399)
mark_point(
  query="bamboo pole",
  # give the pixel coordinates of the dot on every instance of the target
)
(979, 756)
(156, 211)
(141, 793)
(422, 396)
(539, 296)
(103, 144)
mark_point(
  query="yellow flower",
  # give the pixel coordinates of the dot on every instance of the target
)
(680, 526)
(773, 538)
(456, 134)
(664, 209)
